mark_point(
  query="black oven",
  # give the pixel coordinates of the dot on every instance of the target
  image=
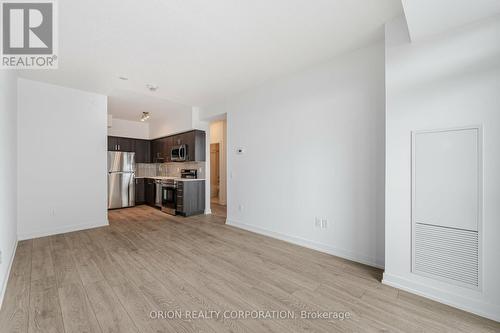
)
(169, 197)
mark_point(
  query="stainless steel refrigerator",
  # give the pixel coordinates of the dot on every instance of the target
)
(121, 179)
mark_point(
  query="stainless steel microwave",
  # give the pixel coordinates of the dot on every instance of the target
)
(178, 153)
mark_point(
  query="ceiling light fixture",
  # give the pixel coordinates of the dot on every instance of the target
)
(152, 87)
(145, 116)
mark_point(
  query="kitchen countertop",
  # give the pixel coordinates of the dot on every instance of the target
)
(174, 178)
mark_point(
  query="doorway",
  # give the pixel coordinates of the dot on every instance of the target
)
(218, 168)
(214, 172)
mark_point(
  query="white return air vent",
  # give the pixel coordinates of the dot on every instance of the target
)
(447, 205)
(447, 253)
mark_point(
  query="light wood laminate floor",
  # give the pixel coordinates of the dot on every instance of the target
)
(109, 279)
(219, 211)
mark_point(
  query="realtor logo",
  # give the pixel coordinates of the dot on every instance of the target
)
(28, 34)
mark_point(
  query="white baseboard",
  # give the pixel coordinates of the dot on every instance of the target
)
(482, 309)
(61, 230)
(308, 243)
(4, 287)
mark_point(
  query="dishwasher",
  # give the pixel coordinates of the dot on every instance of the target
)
(158, 186)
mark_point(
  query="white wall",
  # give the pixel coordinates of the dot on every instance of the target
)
(449, 81)
(218, 135)
(61, 159)
(314, 147)
(129, 129)
(171, 122)
(8, 172)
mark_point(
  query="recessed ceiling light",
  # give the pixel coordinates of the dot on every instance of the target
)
(145, 116)
(124, 78)
(152, 87)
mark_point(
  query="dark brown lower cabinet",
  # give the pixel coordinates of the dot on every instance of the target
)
(140, 191)
(150, 192)
(190, 197)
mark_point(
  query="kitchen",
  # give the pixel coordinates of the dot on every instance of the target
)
(167, 173)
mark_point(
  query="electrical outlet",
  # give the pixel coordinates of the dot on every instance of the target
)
(240, 208)
(324, 223)
(317, 222)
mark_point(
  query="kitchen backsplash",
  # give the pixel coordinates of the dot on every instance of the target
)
(145, 170)
(168, 169)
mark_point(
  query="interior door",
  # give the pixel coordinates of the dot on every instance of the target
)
(214, 170)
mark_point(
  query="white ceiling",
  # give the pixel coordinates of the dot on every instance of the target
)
(429, 17)
(129, 105)
(199, 51)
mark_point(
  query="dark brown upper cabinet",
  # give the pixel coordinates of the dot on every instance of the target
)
(142, 148)
(142, 151)
(126, 144)
(194, 141)
(120, 144)
(159, 150)
(155, 151)
(168, 145)
(112, 143)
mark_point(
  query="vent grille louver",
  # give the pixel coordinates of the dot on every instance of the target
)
(447, 253)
